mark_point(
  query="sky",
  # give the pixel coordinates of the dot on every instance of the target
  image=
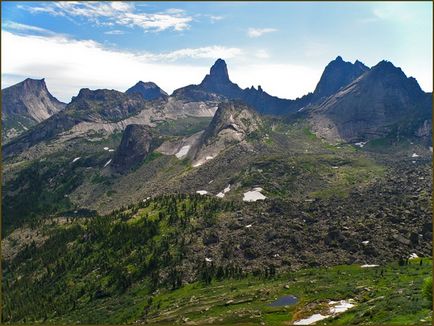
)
(282, 46)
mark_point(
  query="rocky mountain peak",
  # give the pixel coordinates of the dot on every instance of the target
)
(337, 74)
(390, 76)
(26, 104)
(234, 116)
(148, 90)
(219, 71)
(30, 84)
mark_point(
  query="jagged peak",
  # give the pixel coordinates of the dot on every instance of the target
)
(217, 74)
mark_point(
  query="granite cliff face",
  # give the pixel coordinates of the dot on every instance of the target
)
(25, 105)
(370, 107)
(134, 147)
(232, 124)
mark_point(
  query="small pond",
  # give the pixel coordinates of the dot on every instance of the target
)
(284, 301)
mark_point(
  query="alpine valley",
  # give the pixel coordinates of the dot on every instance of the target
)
(220, 205)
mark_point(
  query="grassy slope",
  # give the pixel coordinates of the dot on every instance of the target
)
(389, 294)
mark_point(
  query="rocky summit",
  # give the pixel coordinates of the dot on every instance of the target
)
(25, 105)
(376, 104)
(148, 90)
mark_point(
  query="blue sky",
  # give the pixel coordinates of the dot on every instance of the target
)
(282, 46)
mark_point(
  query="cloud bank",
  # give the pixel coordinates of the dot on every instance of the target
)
(69, 65)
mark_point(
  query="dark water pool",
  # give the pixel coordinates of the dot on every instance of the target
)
(284, 301)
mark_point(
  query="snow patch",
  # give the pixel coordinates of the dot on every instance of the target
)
(76, 159)
(208, 259)
(248, 226)
(254, 195)
(365, 242)
(111, 150)
(222, 193)
(340, 307)
(369, 266)
(311, 320)
(414, 155)
(361, 144)
(106, 148)
(413, 256)
(108, 162)
(183, 151)
(336, 307)
(202, 192)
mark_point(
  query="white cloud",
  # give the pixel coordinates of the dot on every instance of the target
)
(215, 18)
(26, 28)
(198, 53)
(393, 11)
(257, 32)
(116, 13)
(69, 65)
(262, 54)
(115, 32)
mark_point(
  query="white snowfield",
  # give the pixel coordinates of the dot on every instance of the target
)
(336, 307)
(254, 195)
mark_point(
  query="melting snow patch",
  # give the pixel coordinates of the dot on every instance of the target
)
(76, 159)
(365, 242)
(335, 167)
(209, 158)
(146, 199)
(183, 151)
(208, 259)
(106, 148)
(368, 266)
(415, 155)
(254, 195)
(413, 256)
(111, 150)
(248, 226)
(339, 307)
(108, 162)
(336, 307)
(361, 144)
(202, 192)
(311, 320)
(222, 193)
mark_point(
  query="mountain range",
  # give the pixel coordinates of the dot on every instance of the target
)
(206, 205)
(350, 103)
